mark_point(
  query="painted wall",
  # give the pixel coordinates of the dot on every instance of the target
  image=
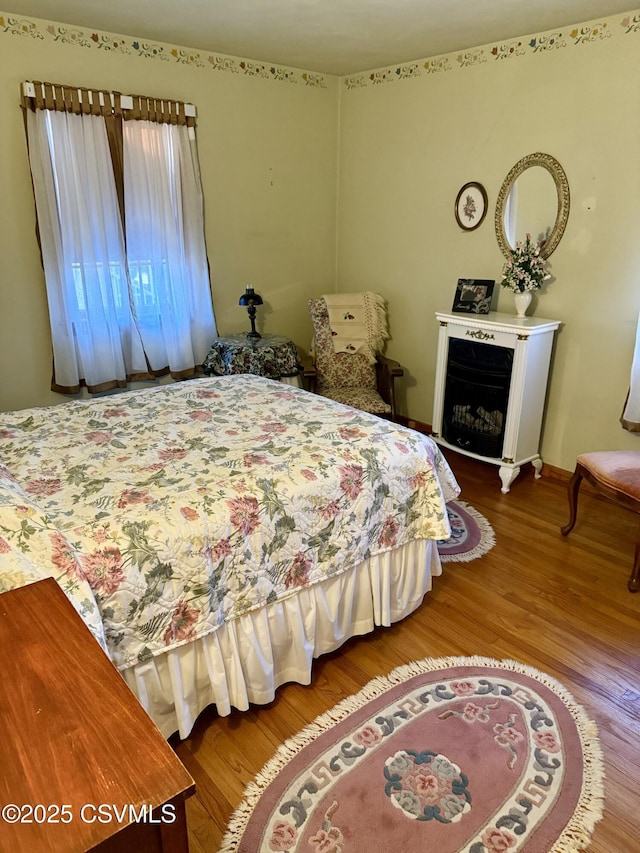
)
(268, 154)
(292, 161)
(412, 136)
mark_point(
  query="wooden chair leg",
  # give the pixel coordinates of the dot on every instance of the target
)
(572, 493)
(633, 584)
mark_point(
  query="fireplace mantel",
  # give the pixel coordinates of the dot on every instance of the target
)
(528, 342)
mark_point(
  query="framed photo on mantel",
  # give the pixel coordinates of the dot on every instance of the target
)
(473, 296)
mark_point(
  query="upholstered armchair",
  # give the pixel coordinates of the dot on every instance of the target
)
(350, 378)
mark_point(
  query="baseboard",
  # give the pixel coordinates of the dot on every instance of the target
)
(549, 470)
(557, 473)
(419, 426)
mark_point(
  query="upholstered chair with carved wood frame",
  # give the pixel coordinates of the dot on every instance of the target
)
(349, 378)
(614, 474)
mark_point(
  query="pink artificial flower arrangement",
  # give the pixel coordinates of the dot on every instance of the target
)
(525, 268)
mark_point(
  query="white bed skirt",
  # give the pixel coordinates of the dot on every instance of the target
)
(246, 660)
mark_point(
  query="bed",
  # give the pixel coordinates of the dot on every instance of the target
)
(216, 535)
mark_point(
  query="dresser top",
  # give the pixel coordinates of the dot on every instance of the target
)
(73, 732)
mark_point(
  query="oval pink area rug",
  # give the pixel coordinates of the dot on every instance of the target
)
(443, 755)
(471, 534)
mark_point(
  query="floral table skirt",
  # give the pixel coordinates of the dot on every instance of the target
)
(273, 356)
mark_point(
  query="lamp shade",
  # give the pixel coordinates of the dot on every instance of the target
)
(250, 297)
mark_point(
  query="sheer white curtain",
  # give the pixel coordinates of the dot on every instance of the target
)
(511, 215)
(165, 243)
(631, 414)
(94, 334)
(131, 308)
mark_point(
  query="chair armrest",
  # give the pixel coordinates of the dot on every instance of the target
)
(393, 367)
(386, 372)
(309, 372)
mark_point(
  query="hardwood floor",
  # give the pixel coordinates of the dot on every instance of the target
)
(558, 604)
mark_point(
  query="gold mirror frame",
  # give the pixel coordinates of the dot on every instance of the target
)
(562, 187)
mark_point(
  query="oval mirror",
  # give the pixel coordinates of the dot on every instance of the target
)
(533, 199)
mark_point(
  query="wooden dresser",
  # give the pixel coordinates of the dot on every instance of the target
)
(82, 766)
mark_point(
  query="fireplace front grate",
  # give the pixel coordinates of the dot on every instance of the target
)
(476, 397)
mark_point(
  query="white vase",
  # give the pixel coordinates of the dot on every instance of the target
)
(522, 301)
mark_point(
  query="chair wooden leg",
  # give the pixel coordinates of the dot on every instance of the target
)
(572, 493)
(633, 584)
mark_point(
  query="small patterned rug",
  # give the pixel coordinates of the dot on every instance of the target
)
(455, 755)
(471, 534)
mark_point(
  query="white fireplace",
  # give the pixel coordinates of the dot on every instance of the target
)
(491, 384)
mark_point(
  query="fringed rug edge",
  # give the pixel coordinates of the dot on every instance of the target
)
(487, 537)
(576, 834)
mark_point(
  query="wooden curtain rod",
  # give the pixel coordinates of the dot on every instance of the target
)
(126, 101)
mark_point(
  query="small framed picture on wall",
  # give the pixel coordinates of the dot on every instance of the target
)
(471, 206)
(473, 296)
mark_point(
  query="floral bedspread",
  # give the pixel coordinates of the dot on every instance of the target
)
(183, 506)
(32, 548)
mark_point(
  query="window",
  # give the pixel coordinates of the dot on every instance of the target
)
(120, 215)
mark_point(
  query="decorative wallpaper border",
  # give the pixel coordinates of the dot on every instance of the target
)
(16, 25)
(580, 34)
(552, 40)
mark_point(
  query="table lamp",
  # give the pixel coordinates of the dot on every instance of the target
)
(249, 300)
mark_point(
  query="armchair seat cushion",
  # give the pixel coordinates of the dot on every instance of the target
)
(365, 399)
